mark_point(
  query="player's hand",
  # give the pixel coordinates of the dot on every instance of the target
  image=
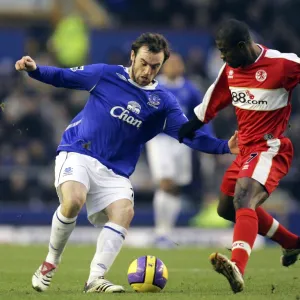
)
(233, 143)
(26, 63)
(187, 130)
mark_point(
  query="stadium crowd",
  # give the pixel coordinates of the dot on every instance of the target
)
(34, 115)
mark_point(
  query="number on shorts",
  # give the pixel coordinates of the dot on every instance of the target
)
(252, 156)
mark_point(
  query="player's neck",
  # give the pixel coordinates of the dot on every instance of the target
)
(254, 53)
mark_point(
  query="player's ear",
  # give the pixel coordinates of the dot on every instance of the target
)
(132, 56)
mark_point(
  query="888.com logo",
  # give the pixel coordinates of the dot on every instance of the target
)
(245, 97)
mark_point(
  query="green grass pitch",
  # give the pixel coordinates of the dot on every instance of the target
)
(190, 275)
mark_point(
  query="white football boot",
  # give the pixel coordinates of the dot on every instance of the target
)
(101, 285)
(226, 267)
(41, 279)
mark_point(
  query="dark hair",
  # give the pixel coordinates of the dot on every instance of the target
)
(155, 43)
(233, 31)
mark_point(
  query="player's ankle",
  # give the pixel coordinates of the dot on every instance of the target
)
(239, 266)
(94, 276)
(53, 259)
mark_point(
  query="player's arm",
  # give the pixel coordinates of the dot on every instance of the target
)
(216, 98)
(202, 141)
(291, 70)
(80, 78)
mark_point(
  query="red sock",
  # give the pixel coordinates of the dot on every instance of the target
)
(245, 232)
(268, 226)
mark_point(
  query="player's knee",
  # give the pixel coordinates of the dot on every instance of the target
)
(72, 203)
(121, 212)
(71, 206)
(169, 186)
(128, 212)
(240, 199)
(73, 198)
(226, 213)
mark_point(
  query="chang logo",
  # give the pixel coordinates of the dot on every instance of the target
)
(74, 69)
(123, 114)
(134, 107)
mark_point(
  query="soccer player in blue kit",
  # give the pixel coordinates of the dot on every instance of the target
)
(100, 148)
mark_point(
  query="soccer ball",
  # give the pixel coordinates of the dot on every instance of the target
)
(147, 274)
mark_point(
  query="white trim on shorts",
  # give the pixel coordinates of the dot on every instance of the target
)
(263, 167)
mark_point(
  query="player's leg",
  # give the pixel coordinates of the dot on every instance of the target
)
(226, 208)
(272, 166)
(271, 228)
(259, 176)
(267, 227)
(110, 200)
(248, 195)
(169, 173)
(73, 197)
(71, 181)
(166, 204)
(109, 244)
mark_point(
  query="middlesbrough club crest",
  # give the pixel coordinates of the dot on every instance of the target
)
(261, 75)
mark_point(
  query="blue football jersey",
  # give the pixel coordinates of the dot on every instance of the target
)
(120, 116)
(187, 95)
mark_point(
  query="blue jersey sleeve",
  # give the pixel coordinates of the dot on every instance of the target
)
(201, 142)
(79, 78)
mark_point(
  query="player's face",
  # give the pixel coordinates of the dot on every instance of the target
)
(234, 56)
(174, 67)
(145, 65)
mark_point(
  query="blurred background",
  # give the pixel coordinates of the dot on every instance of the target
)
(72, 33)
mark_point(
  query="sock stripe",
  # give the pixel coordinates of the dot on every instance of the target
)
(116, 231)
(63, 221)
(241, 245)
(273, 229)
(52, 247)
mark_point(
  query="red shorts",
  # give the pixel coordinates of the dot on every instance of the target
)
(266, 163)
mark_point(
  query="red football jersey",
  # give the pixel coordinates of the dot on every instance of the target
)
(260, 92)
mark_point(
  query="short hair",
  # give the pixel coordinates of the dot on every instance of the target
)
(233, 31)
(155, 43)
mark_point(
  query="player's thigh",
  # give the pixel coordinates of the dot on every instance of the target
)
(270, 166)
(230, 178)
(162, 158)
(108, 189)
(71, 178)
(249, 193)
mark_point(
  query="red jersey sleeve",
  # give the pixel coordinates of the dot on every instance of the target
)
(216, 98)
(291, 71)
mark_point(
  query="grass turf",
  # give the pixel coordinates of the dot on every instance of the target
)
(190, 275)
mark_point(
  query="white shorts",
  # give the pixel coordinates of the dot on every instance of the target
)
(103, 185)
(168, 159)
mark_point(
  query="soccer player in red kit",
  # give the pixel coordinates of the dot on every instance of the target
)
(258, 81)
